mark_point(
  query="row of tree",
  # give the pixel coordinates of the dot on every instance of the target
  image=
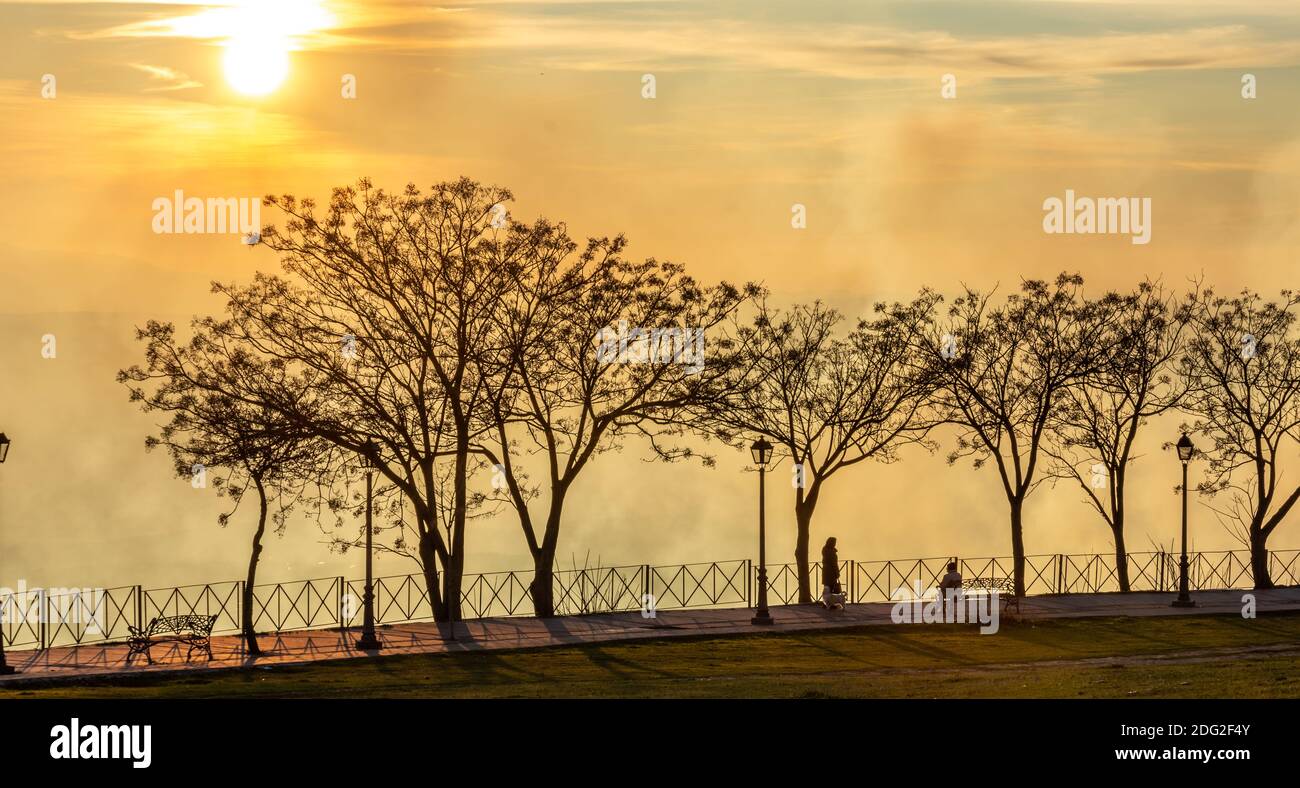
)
(427, 336)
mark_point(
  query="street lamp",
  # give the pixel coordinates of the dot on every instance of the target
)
(368, 641)
(762, 451)
(5, 670)
(1185, 453)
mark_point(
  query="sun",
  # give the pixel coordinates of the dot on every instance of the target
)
(256, 65)
(258, 37)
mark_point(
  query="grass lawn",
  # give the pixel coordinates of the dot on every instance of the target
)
(1203, 657)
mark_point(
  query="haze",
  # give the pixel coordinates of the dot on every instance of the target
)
(758, 106)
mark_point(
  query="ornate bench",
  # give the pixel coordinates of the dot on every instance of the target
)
(1005, 586)
(191, 630)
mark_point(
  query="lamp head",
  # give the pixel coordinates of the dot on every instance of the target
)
(1185, 448)
(762, 451)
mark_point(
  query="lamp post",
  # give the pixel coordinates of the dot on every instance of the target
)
(368, 641)
(762, 451)
(1185, 453)
(5, 670)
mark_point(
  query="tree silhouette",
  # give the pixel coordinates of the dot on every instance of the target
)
(1097, 421)
(212, 430)
(1242, 366)
(1001, 373)
(577, 387)
(392, 303)
(827, 402)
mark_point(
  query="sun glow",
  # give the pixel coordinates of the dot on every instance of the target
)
(259, 35)
(255, 67)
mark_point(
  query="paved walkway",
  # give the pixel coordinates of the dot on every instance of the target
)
(287, 648)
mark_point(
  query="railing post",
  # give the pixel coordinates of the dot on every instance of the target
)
(749, 582)
(42, 614)
(340, 596)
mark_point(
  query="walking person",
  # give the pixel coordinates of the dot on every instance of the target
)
(832, 595)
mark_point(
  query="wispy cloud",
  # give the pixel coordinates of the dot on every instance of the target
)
(170, 77)
(295, 20)
(870, 52)
(595, 36)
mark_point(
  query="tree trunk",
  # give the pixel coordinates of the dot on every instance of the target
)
(542, 589)
(250, 637)
(455, 566)
(1121, 553)
(428, 552)
(801, 555)
(452, 579)
(1259, 559)
(1018, 545)
(803, 512)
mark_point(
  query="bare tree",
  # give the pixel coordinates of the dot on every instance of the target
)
(1097, 422)
(1242, 366)
(391, 302)
(601, 349)
(209, 430)
(827, 401)
(1001, 373)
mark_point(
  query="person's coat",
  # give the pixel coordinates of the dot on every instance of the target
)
(830, 566)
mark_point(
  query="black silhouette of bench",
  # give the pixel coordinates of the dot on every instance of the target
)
(1004, 586)
(193, 631)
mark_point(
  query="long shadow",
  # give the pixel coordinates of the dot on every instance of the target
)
(601, 657)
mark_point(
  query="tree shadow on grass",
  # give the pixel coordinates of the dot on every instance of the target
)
(623, 667)
(898, 640)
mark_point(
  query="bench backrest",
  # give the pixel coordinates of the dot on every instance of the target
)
(990, 583)
(198, 624)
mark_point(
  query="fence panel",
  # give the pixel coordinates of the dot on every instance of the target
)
(77, 616)
(212, 599)
(699, 585)
(497, 594)
(1284, 567)
(881, 581)
(304, 604)
(583, 591)
(1146, 572)
(1228, 569)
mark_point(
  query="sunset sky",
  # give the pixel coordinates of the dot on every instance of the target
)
(759, 106)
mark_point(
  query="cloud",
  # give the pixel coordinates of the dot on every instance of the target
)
(596, 36)
(866, 52)
(171, 78)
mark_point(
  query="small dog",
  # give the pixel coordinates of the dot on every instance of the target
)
(832, 598)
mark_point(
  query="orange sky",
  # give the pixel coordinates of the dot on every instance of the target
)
(758, 106)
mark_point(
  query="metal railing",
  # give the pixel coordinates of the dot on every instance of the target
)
(39, 620)
(1061, 573)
